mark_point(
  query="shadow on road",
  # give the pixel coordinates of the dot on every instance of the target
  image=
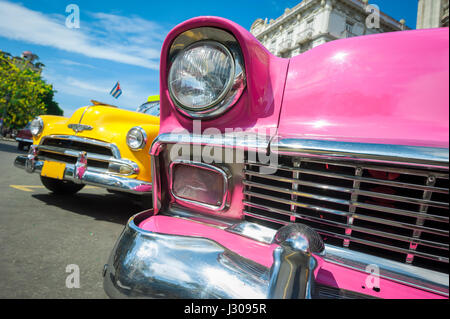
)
(10, 148)
(108, 207)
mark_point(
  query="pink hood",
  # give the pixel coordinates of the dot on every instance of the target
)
(390, 88)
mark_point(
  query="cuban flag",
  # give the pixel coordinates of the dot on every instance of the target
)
(116, 90)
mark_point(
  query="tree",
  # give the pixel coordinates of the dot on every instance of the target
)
(23, 93)
(52, 107)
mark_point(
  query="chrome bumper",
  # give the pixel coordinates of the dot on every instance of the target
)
(24, 140)
(78, 173)
(145, 264)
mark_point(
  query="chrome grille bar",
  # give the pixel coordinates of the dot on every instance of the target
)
(352, 208)
(431, 180)
(347, 202)
(340, 213)
(392, 209)
(364, 179)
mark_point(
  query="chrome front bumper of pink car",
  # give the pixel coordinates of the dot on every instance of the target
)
(179, 257)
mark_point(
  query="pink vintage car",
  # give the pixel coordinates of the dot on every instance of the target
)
(320, 176)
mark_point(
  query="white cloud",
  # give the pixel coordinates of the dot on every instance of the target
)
(129, 40)
(74, 63)
(86, 86)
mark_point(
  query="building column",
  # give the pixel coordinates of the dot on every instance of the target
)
(328, 7)
(429, 14)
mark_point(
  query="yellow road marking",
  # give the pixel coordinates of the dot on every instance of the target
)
(25, 188)
(29, 188)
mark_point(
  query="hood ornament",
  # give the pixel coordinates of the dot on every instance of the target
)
(80, 127)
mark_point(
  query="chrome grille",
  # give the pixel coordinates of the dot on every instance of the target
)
(66, 149)
(85, 146)
(385, 210)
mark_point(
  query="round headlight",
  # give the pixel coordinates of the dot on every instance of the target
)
(201, 75)
(136, 138)
(36, 126)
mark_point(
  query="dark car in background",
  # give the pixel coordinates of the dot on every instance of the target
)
(24, 138)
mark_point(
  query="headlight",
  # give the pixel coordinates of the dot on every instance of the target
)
(136, 138)
(36, 126)
(204, 79)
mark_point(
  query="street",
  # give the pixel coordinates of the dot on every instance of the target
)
(41, 234)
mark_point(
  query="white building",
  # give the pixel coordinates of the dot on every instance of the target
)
(313, 22)
(432, 14)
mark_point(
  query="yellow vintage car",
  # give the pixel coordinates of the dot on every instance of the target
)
(98, 145)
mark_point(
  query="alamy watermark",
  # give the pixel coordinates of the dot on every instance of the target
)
(373, 280)
(373, 17)
(229, 146)
(73, 279)
(73, 19)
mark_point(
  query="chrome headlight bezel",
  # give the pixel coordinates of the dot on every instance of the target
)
(212, 45)
(223, 201)
(143, 135)
(39, 123)
(236, 84)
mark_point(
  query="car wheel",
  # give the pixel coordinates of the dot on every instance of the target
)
(61, 187)
(20, 146)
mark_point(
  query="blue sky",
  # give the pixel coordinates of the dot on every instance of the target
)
(121, 40)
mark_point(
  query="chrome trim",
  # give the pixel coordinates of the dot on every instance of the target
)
(30, 159)
(90, 176)
(355, 191)
(144, 135)
(92, 156)
(294, 261)
(425, 279)
(84, 112)
(396, 211)
(338, 224)
(355, 178)
(74, 153)
(244, 140)
(115, 160)
(331, 234)
(113, 147)
(236, 85)
(146, 264)
(19, 139)
(192, 203)
(431, 157)
(80, 167)
(254, 231)
(386, 239)
(79, 127)
(347, 214)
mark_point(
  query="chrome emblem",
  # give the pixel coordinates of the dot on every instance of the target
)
(80, 127)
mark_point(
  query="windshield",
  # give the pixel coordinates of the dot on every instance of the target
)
(150, 108)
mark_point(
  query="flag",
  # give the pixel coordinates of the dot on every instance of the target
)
(116, 90)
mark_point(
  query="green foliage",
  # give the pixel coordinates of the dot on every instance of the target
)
(23, 93)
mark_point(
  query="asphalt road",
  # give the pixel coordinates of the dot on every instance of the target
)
(41, 234)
